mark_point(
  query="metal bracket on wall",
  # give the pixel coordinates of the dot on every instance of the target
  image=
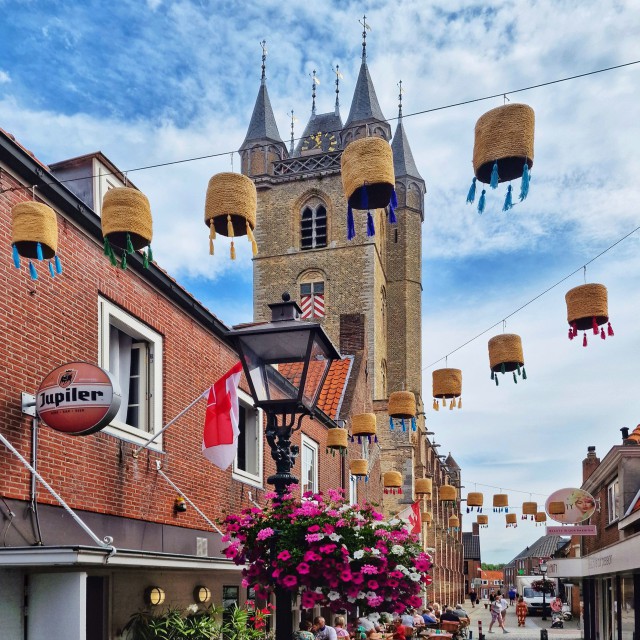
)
(28, 404)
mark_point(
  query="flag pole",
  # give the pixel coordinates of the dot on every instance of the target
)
(136, 453)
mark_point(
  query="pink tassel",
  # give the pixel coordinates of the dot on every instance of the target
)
(575, 329)
(609, 329)
(594, 324)
(570, 333)
(584, 340)
(603, 335)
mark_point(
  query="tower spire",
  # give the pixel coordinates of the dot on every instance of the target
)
(365, 28)
(293, 119)
(314, 82)
(263, 79)
(400, 101)
(338, 77)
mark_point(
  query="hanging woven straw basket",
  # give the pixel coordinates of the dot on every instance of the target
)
(475, 499)
(447, 383)
(126, 216)
(556, 508)
(424, 486)
(367, 173)
(427, 518)
(363, 424)
(505, 352)
(337, 438)
(392, 480)
(230, 208)
(482, 520)
(586, 302)
(454, 522)
(500, 501)
(34, 223)
(529, 509)
(504, 135)
(359, 467)
(402, 404)
(541, 516)
(511, 519)
(447, 493)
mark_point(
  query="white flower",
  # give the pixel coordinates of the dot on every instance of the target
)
(397, 549)
(333, 595)
(371, 594)
(335, 537)
(401, 567)
(318, 589)
(375, 552)
(415, 577)
(351, 599)
(361, 595)
(358, 554)
(359, 516)
(343, 508)
(374, 617)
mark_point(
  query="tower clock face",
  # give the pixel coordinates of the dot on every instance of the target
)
(320, 142)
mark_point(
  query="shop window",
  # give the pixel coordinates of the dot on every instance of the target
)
(313, 227)
(612, 501)
(309, 464)
(132, 352)
(247, 466)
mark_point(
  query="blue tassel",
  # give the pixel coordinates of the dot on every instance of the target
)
(32, 271)
(394, 199)
(495, 178)
(508, 202)
(471, 196)
(393, 205)
(375, 438)
(58, 265)
(413, 424)
(16, 257)
(52, 273)
(351, 225)
(364, 198)
(359, 440)
(391, 425)
(371, 230)
(524, 185)
(482, 201)
(369, 439)
(39, 251)
(404, 426)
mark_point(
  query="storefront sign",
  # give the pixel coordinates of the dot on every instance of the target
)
(570, 506)
(573, 530)
(78, 398)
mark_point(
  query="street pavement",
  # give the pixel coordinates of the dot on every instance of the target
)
(531, 630)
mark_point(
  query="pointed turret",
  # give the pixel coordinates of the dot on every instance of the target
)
(262, 144)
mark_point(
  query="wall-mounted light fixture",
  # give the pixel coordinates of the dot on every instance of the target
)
(180, 505)
(201, 594)
(154, 596)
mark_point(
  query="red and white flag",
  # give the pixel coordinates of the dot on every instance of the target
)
(412, 518)
(220, 438)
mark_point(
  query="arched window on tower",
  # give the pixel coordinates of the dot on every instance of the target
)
(312, 298)
(313, 227)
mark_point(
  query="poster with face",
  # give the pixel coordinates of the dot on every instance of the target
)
(570, 506)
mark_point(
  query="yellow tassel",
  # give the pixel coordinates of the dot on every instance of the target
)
(210, 247)
(460, 402)
(451, 405)
(229, 226)
(233, 251)
(444, 402)
(212, 230)
(435, 404)
(252, 240)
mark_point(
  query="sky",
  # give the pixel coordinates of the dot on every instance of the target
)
(161, 81)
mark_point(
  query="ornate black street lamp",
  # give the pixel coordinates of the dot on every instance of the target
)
(543, 571)
(286, 362)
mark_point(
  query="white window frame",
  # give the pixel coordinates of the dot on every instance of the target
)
(240, 474)
(613, 499)
(109, 314)
(103, 180)
(353, 489)
(306, 442)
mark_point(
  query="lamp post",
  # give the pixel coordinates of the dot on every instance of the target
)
(543, 571)
(285, 362)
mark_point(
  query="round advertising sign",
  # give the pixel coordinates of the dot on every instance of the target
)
(570, 506)
(78, 398)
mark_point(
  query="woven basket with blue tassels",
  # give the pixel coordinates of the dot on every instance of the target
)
(503, 151)
(368, 180)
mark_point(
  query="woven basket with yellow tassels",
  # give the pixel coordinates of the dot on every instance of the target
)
(34, 235)
(503, 151)
(126, 224)
(588, 308)
(368, 180)
(447, 385)
(230, 209)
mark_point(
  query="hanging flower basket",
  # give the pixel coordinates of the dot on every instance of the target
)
(587, 308)
(392, 482)
(511, 520)
(483, 521)
(126, 224)
(505, 355)
(363, 425)
(475, 500)
(448, 494)
(423, 486)
(427, 518)
(500, 502)
(337, 440)
(402, 406)
(368, 180)
(529, 509)
(503, 151)
(541, 518)
(447, 385)
(34, 235)
(359, 468)
(454, 523)
(230, 209)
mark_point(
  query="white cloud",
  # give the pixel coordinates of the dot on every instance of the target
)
(4, 77)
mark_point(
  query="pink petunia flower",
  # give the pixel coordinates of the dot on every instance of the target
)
(284, 555)
(263, 534)
(303, 568)
(289, 581)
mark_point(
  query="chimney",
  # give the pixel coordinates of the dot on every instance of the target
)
(352, 333)
(475, 529)
(590, 463)
(626, 440)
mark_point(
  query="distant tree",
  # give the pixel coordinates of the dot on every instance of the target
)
(486, 566)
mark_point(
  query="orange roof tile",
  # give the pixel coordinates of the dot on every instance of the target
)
(635, 434)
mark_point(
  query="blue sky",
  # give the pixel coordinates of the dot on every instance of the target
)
(156, 81)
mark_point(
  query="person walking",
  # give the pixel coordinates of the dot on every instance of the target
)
(473, 596)
(505, 605)
(521, 611)
(496, 615)
(512, 596)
